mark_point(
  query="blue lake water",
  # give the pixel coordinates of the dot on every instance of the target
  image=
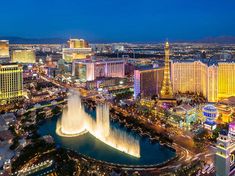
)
(150, 154)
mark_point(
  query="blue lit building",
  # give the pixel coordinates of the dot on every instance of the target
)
(210, 113)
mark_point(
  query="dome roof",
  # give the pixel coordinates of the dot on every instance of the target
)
(209, 111)
(210, 108)
(224, 132)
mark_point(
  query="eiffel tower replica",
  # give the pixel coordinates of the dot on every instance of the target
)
(166, 93)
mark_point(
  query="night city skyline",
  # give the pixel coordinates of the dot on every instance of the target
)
(118, 21)
(117, 88)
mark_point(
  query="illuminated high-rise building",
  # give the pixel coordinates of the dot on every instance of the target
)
(4, 48)
(189, 77)
(226, 79)
(88, 70)
(11, 82)
(78, 43)
(212, 83)
(24, 56)
(4, 51)
(147, 82)
(77, 49)
(166, 91)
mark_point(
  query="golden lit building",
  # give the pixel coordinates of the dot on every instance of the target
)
(11, 82)
(78, 49)
(24, 56)
(225, 113)
(212, 83)
(226, 79)
(215, 82)
(4, 49)
(78, 43)
(189, 77)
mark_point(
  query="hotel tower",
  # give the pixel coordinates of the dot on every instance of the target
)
(11, 82)
(214, 82)
(4, 51)
(24, 56)
(77, 49)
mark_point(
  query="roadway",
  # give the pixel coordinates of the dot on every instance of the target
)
(183, 142)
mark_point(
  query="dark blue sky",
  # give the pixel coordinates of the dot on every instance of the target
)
(118, 20)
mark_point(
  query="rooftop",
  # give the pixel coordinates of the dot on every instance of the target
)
(103, 60)
(209, 62)
(148, 67)
(9, 64)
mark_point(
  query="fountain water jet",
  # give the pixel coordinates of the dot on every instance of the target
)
(72, 121)
(75, 121)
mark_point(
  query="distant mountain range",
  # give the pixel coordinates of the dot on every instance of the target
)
(21, 40)
(220, 39)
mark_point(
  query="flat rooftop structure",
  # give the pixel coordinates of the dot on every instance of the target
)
(206, 61)
(6, 64)
(110, 60)
(148, 68)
